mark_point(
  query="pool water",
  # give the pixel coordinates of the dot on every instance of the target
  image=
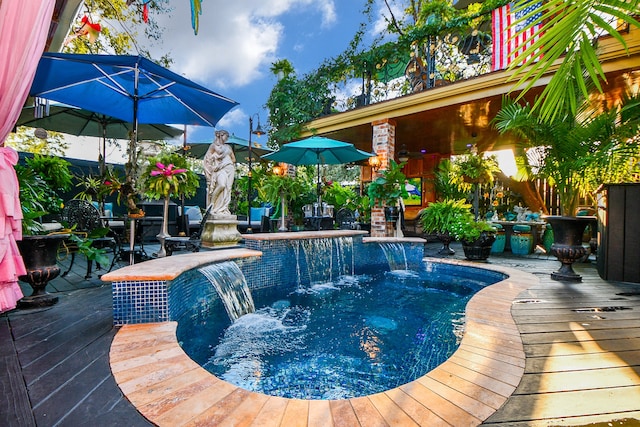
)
(353, 337)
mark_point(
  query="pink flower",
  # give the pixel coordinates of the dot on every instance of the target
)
(167, 171)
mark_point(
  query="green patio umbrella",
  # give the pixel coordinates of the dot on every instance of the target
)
(239, 146)
(318, 150)
(80, 122)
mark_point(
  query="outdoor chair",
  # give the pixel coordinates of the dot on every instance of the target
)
(346, 220)
(258, 218)
(190, 243)
(83, 218)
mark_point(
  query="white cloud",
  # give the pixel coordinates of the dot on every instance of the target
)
(233, 117)
(236, 41)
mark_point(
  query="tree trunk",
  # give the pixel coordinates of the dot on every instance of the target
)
(528, 191)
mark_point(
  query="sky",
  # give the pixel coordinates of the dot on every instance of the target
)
(238, 41)
(235, 46)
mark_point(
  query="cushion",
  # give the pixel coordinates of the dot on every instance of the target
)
(258, 213)
(108, 208)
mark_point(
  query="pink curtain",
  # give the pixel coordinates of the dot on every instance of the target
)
(24, 25)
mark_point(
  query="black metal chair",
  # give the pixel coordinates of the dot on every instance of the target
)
(190, 243)
(346, 219)
(83, 218)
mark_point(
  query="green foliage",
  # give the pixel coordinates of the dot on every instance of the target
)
(567, 35)
(53, 170)
(33, 191)
(168, 175)
(387, 188)
(447, 182)
(363, 206)
(579, 152)
(40, 181)
(90, 187)
(25, 140)
(113, 15)
(339, 196)
(85, 245)
(445, 217)
(293, 102)
(470, 231)
(475, 167)
(297, 192)
(452, 218)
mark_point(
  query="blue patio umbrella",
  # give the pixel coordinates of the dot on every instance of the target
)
(131, 88)
(318, 150)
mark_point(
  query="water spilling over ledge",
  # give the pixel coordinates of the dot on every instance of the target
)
(159, 290)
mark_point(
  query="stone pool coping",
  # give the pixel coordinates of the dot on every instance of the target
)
(170, 389)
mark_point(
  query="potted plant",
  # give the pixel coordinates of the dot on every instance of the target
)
(452, 220)
(444, 219)
(276, 189)
(387, 188)
(477, 238)
(37, 196)
(578, 153)
(166, 176)
(475, 168)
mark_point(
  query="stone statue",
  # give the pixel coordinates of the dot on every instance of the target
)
(219, 169)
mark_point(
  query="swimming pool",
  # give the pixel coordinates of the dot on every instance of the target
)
(168, 387)
(352, 336)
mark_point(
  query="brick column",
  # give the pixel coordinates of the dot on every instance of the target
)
(384, 142)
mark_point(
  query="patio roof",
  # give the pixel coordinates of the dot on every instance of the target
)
(445, 119)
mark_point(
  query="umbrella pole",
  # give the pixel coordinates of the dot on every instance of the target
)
(319, 190)
(184, 224)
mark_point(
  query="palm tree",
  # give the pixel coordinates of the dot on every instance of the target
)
(569, 31)
(578, 152)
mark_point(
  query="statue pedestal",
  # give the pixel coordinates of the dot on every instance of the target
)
(220, 230)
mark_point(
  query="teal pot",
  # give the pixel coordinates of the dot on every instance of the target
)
(521, 240)
(567, 244)
(40, 259)
(498, 246)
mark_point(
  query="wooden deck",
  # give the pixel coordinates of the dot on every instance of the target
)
(582, 366)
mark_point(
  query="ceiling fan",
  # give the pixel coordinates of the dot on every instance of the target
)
(404, 155)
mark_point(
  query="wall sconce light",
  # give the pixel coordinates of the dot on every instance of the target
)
(278, 170)
(374, 162)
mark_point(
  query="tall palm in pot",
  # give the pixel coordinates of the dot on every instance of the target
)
(577, 153)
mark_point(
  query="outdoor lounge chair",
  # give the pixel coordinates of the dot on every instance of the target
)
(190, 243)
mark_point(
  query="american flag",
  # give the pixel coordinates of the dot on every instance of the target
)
(506, 46)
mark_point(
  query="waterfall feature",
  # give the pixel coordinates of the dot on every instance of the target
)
(396, 256)
(229, 282)
(326, 257)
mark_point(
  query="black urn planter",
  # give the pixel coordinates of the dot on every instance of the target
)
(39, 255)
(479, 249)
(391, 213)
(567, 244)
(446, 240)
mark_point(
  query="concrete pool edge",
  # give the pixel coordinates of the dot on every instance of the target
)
(169, 388)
